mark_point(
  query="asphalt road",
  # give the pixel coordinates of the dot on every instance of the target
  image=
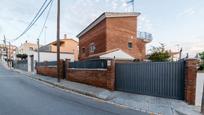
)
(20, 95)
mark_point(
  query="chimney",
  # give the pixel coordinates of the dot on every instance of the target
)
(65, 36)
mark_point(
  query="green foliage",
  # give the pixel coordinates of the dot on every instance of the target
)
(202, 58)
(22, 56)
(201, 67)
(201, 55)
(159, 53)
(18, 55)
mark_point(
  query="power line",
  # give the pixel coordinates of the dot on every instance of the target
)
(48, 13)
(34, 20)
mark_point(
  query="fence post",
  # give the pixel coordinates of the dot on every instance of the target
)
(111, 74)
(66, 66)
(190, 80)
(29, 63)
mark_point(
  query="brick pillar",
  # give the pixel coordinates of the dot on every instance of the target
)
(66, 66)
(111, 74)
(190, 80)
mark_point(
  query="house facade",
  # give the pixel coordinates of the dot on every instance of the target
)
(67, 45)
(111, 32)
(27, 48)
(10, 50)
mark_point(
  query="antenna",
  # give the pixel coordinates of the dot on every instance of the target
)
(132, 2)
(45, 35)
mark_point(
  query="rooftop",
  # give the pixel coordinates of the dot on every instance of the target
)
(107, 15)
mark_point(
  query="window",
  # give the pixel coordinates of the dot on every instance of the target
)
(92, 47)
(129, 44)
(83, 50)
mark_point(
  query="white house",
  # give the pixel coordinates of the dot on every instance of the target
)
(52, 56)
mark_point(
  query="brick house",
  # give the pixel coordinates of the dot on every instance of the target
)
(113, 35)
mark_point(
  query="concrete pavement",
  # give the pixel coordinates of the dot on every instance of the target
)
(23, 96)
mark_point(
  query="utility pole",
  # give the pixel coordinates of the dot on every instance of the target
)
(38, 42)
(58, 40)
(6, 50)
(180, 53)
(9, 53)
(45, 35)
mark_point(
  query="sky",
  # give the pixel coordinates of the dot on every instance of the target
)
(176, 23)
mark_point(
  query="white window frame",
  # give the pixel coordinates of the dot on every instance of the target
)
(92, 47)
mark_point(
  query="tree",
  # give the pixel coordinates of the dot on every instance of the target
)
(202, 58)
(18, 55)
(201, 55)
(22, 56)
(159, 53)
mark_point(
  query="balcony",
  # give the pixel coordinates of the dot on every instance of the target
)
(144, 36)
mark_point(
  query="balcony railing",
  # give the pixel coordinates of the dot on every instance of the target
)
(144, 36)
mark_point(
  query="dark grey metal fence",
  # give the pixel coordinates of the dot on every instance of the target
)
(89, 64)
(163, 79)
(21, 64)
(47, 63)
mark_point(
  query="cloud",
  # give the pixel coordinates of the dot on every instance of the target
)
(187, 12)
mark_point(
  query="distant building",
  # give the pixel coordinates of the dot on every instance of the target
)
(67, 45)
(10, 50)
(27, 48)
(174, 56)
(113, 35)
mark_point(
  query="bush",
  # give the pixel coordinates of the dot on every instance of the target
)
(22, 56)
(201, 67)
(159, 54)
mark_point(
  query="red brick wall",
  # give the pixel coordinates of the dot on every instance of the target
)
(91, 77)
(96, 35)
(104, 78)
(122, 30)
(47, 71)
(52, 71)
(113, 33)
(190, 80)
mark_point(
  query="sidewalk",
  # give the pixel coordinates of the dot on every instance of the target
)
(149, 104)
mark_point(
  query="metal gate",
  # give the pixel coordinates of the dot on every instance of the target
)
(163, 79)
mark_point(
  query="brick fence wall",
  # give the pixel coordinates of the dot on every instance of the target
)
(47, 71)
(51, 70)
(104, 78)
